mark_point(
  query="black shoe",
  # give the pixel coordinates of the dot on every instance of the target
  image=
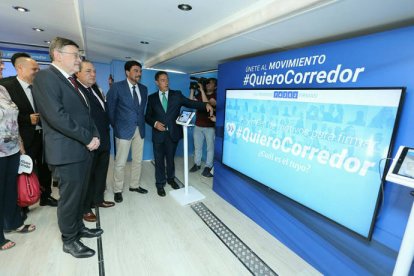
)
(139, 190)
(118, 197)
(206, 172)
(195, 168)
(90, 233)
(173, 184)
(49, 201)
(78, 250)
(161, 191)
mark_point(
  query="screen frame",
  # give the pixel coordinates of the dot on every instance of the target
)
(387, 160)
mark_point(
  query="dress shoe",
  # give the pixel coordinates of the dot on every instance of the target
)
(78, 250)
(173, 184)
(161, 191)
(106, 204)
(206, 172)
(49, 201)
(118, 197)
(89, 217)
(90, 233)
(139, 190)
(195, 168)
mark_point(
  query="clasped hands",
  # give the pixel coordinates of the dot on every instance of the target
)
(94, 144)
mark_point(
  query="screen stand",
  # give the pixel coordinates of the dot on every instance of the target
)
(406, 253)
(189, 194)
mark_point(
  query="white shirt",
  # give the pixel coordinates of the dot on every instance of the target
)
(27, 91)
(136, 90)
(94, 93)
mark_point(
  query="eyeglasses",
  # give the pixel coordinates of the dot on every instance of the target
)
(76, 55)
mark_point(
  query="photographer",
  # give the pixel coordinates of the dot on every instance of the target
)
(205, 125)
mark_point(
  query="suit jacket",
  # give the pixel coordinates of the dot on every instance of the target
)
(99, 116)
(67, 123)
(155, 112)
(124, 115)
(18, 96)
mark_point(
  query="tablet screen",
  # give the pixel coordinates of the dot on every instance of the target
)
(185, 117)
(405, 164)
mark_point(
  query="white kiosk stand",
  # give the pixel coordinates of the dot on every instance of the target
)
(402, 172)
(189, 194)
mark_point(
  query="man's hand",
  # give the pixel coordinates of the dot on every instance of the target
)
(34, 118)
(209, 109)
(160, 126)
(94, 144)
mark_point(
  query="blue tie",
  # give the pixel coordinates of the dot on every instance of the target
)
(134, 92)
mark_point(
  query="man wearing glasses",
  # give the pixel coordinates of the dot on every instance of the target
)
(70, 137)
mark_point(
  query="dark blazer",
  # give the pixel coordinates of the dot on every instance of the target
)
(18, 96)
(155, 112)
(123, 114)
(67, 124)
(99, 116)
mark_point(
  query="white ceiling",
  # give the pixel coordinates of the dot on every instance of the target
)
(212, 32)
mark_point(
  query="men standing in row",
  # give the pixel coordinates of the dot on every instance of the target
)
(162, 111)
(204, 126)
(86, 78)
(20, 90)
(70, 135)
(126, 105)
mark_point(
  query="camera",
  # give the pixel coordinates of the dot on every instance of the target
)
(194, 85)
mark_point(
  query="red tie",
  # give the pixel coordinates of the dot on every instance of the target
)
(72, 80)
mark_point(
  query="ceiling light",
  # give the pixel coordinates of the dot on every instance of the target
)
(128, 57)
(185, 7)
(47, 41)
(20, 9)
(38, 30)
(144, 42)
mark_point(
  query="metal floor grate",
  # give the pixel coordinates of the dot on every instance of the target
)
(248, 258)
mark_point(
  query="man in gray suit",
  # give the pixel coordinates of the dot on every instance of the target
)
(70, 136)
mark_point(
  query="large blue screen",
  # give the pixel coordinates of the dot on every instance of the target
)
(319, 147)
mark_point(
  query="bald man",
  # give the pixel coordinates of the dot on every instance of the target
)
(30, 128)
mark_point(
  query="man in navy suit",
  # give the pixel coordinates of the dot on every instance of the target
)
(70, 136)
(20, 90)
(163, 109)
(86, 78)
(126, 105)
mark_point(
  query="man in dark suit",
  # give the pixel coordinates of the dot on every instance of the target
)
(20, 90)
(162, 111)
(97, 182)
(126, 105)
(70, 136)
(15, 57)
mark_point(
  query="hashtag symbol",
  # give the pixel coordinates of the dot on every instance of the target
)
(246, 79)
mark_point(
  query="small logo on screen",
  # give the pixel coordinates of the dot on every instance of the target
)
(230, 128)
(285, 94)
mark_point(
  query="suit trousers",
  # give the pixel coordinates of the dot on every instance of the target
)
(97, 180)
(10, 216)
(73, 185)
(136, 144)
(35, 151)
(164, 153)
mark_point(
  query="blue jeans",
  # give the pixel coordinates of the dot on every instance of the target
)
(199, 134)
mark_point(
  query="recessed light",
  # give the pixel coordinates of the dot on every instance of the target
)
(38, 30)
(20, 9)
(144, 42)
(47, 41)
(128, 57)
(185, 7)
